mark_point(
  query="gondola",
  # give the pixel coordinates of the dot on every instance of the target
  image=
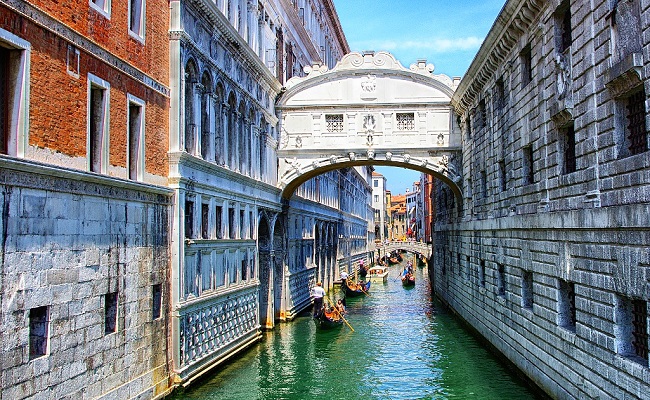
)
(355, 291)
(408, 280)
(328, 320)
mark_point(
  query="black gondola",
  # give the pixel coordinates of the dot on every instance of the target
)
(328, 320)
(354, 290)
(408, 280)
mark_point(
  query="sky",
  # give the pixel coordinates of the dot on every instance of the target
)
(445, 33)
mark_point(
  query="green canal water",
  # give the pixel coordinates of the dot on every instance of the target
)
(404, 346)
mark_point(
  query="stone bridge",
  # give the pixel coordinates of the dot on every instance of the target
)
(368, 110)
(413, 247)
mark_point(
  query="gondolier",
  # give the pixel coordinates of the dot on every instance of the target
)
(318, 293)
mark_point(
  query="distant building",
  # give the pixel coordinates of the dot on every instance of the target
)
(379, 206)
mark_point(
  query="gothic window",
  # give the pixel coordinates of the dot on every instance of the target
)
(190, 122)
(527, 165)
(566, 304)
(103, 6)
(98, 123)
(136, 18)
(334, 123)
(205, 221)
(405, 121)
(110, 313)
(189, 219)
(243, 139)
(568, 143)
(232, 131)
(527, 289)
(38, 331)
(135, 135)
(217, 221)
(206, 134)
(219, 126)
(526, 60)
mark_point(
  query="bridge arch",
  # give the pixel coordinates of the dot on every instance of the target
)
(368, 110)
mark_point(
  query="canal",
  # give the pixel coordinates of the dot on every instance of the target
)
(404, 346)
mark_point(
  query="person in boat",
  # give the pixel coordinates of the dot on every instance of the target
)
(344, 276)
(340, 307)
(318, 293)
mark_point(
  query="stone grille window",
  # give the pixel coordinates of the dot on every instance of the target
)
(499, 95)
(640, 328)
(110, 313)
(484, 184)
(481, 274)
(527, 290)
(563, 27)
(38, 331)
(527, 165)
(501, 281)
(502, 175)
(156, 296)
(567, 305)
(637, 133)
(334, 122)
(526, 59)
(405, 121)
(569, 150)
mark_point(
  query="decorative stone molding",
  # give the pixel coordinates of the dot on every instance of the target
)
(625, 75)
(561, 113)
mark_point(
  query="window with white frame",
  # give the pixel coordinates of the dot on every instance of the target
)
(405, 121)
(14, 93)
(97, 125)
(136, 18)
(102, 6)
(135, 142)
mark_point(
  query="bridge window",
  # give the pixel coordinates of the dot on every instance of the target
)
(566, 305)
(636, 130)
(631, 329)
(334, 123)
(527, 290)
(481, 274)
(405, 121)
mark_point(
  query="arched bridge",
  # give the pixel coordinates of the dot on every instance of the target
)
(368, 110)
(410, 246)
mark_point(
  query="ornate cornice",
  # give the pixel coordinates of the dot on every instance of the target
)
(514, 21)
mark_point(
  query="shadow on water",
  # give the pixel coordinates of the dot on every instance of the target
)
(404, 346)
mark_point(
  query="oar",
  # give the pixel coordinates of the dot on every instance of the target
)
(340, 315)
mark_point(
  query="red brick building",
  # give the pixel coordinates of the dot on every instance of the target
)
(84, 114)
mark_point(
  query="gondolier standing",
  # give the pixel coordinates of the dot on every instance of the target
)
(318, 293)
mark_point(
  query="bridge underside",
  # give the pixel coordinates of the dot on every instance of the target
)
(368, 110)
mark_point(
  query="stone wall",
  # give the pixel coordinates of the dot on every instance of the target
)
(71, 243)
(548, 260)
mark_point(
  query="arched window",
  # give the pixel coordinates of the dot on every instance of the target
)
(232, 132)
(190, 123)
(206, 134)
(242, 138)
(219, 150)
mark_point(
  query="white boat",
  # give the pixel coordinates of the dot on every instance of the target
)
(378, 273)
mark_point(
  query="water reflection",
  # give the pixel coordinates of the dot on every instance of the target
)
(403, 347)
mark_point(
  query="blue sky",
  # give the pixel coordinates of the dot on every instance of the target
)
(445, 33)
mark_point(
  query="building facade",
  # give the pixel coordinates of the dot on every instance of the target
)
(546, 251)
(379, 207)
(84, 102)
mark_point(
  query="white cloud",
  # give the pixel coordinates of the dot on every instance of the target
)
(435, 45)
